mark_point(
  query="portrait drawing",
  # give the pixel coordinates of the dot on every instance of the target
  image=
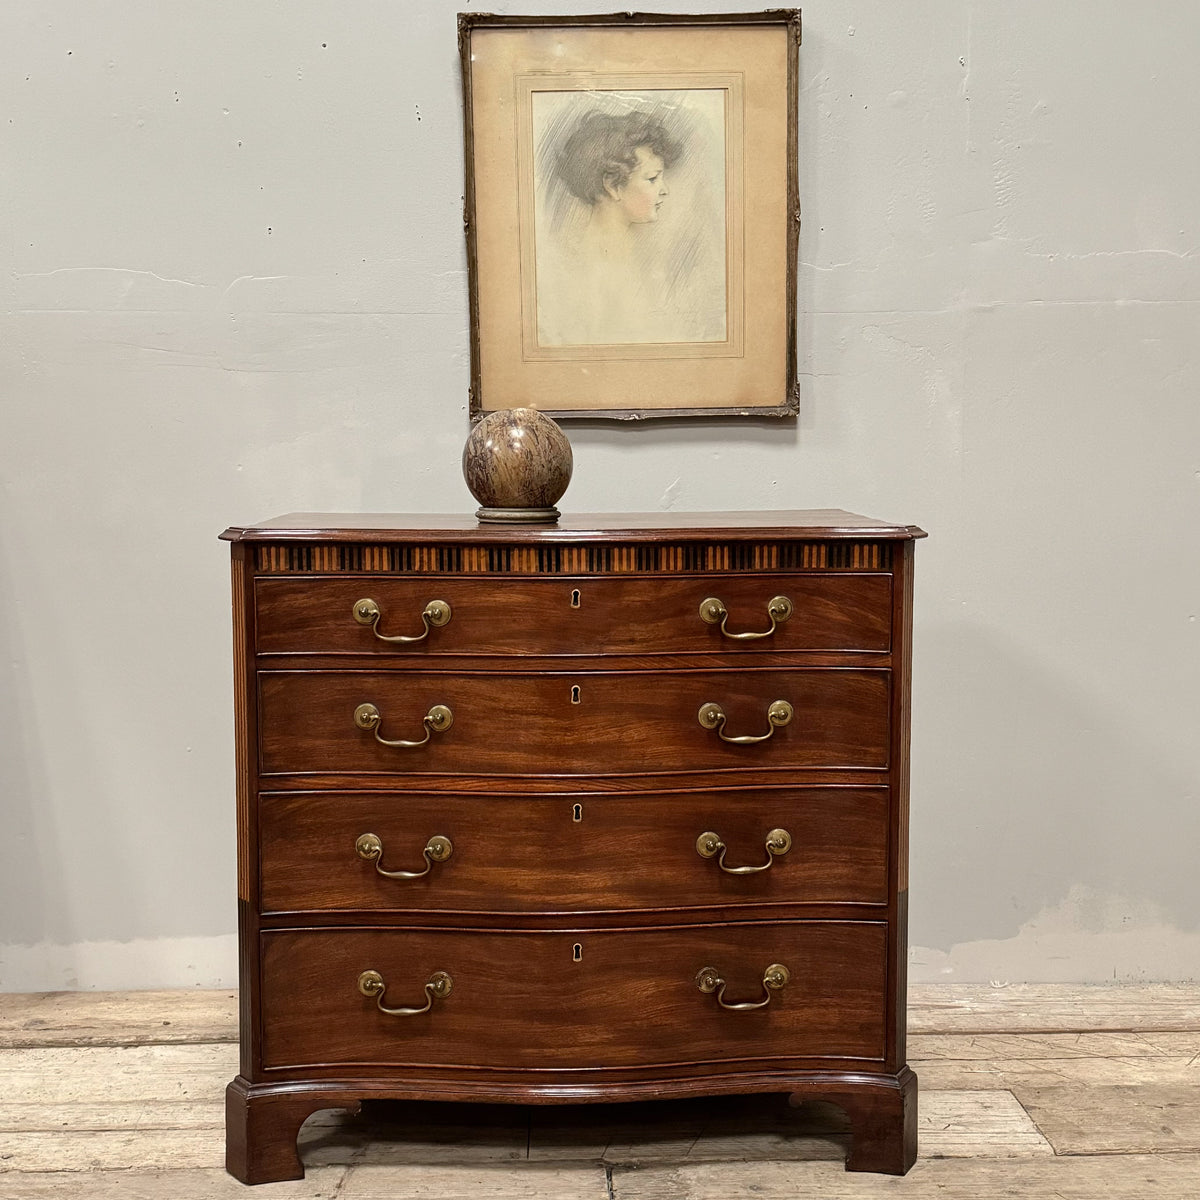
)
(630, 217)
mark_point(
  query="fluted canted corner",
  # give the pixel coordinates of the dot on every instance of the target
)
(517, 463)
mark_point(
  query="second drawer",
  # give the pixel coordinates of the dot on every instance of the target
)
(587, 722)
(571, 853)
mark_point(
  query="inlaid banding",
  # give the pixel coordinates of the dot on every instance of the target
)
(627, 559)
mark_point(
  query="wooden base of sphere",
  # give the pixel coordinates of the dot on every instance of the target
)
(518, 516)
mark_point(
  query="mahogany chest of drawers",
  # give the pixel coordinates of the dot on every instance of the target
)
(613, 809)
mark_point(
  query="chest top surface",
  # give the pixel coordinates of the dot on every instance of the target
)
(824, 523)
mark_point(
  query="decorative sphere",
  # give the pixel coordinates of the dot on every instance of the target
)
(517, 463)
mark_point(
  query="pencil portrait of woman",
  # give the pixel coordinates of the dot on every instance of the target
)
(630, 219)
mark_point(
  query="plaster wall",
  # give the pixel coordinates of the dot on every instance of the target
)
(232, 284)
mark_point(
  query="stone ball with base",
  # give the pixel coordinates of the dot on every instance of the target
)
(517, 463)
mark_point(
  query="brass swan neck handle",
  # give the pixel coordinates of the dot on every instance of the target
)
(775, 977)
(712, 611)
(369, 847)
(437, 720)
(712, 716)
(437, 987)
(709, 845)
(435, 614)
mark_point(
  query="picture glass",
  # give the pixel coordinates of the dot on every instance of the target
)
(630, 217)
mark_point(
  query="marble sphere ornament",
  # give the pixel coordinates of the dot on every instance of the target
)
(517, 463)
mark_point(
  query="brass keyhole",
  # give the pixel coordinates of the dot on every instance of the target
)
(575, 598)
(575, 694)
(577, 952)
(577, 812)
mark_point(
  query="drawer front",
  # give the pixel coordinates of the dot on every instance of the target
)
(573, 615)
(575, 853)
(533, 1001)
(569, 723)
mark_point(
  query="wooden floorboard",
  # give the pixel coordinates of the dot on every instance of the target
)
(65, 1074)
(1025, 1092)
(1036, 1047)
(530, 1181)
(1051, 1008)
(1018, 1061)
(1143, 1118)
(323, 1183)
(1122, 1177)
(118, 1018)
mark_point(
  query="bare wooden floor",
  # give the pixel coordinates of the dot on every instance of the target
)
(1030, 1092)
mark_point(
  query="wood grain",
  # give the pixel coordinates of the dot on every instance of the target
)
(117, 1018)
(1047, 1008)
(572, 853)
(624, 723)
(59, 1182)
(574, 615)
(193, 1073)
(574, 948)
(1147, 1118)
(521, 1001)
(1171, 1177)
(491, 1182)
(1022, 1061)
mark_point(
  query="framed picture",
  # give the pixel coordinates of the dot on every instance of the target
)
(632, 213)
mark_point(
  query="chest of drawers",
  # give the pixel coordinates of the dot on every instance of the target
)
(614, 809)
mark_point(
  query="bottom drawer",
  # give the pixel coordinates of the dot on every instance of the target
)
(553, 1000)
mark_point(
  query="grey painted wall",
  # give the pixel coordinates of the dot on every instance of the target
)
(233, 285)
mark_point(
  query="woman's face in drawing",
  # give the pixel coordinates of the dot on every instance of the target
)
(642, 195)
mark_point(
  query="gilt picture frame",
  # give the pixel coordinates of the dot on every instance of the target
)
(632, 213)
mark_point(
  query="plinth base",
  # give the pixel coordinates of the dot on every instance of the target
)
(519, 516)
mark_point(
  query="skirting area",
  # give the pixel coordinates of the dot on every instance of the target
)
(1026, 1091)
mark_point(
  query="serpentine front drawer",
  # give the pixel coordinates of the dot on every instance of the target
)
(599, 722)
(392, 617)
(579, 999)
(409, 852)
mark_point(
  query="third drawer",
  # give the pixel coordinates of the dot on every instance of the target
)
(570, 853)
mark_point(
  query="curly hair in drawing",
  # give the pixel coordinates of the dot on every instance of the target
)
(601, 152)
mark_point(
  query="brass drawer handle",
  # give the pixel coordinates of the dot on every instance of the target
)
(437, 720)
(437, 986)
(779, 608)
(776, 976)
(369, 847)
(712, 716)
(779, 841)
(436, 612)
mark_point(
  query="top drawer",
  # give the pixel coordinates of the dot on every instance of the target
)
(573, 615)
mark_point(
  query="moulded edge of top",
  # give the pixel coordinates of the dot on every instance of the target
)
(737, 526)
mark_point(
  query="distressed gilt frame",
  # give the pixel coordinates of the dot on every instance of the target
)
(747, 368)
